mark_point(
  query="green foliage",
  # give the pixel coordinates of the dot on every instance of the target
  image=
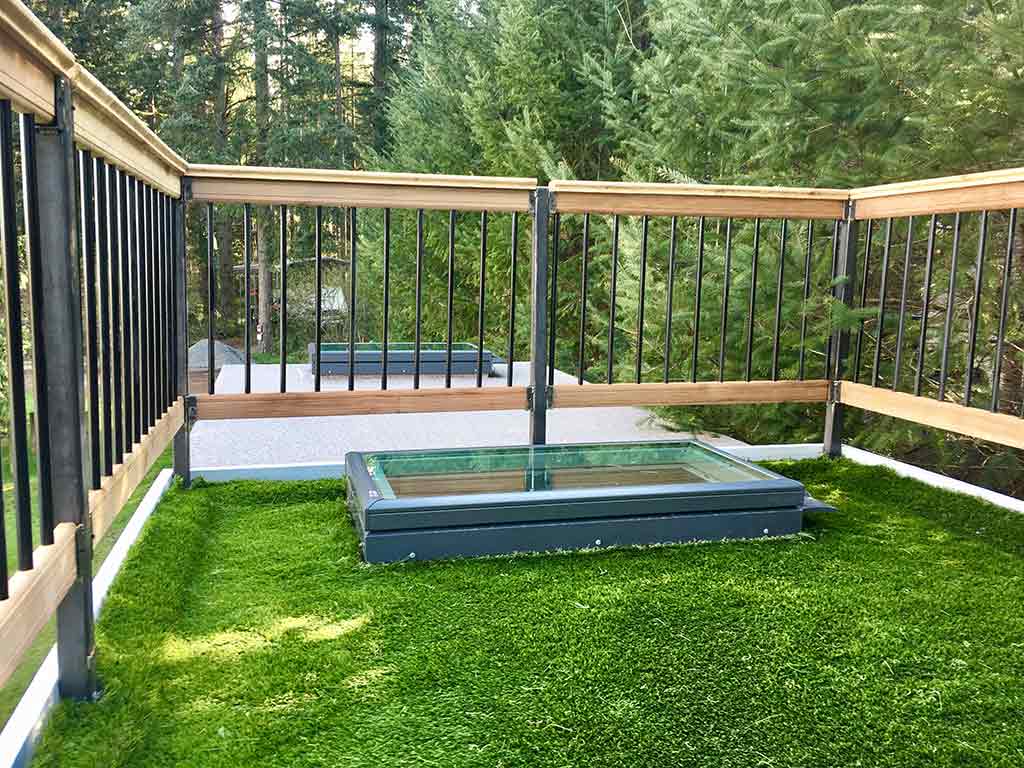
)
(245, 630)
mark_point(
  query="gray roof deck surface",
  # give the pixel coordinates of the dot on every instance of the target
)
(328, 439)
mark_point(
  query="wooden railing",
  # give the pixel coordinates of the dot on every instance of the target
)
(101, 199)
(740, 255)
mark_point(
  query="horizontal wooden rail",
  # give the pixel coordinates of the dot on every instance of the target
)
(34, 597)
(992, 190)
(281, 405)
(698, 200)
(273, 186)
(31, 57)
(973, 422)
(686, 393)
(108, 500)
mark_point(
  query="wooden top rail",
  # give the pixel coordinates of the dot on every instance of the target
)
(990, 190)
(31, 57)
(301, 186)
(998, 428)
(698, 200)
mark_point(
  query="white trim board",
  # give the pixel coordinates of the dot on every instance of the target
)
(933, 478)
(23, 729)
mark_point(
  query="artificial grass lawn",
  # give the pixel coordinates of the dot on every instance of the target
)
(14, 689)
(244, 630)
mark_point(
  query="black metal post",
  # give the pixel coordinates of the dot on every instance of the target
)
(247, 288)
(62, 320)
(318, 289)
(385, 331)
(182, 447)
(512, 300)
(538, 317)
(846, 268)
(283, 312)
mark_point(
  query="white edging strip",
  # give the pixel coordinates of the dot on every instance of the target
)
(932, 478)
(315, 471)
(780, 452)
(22, 731)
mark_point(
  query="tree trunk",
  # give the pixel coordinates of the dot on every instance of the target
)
(380, 67)
(261, 90)
(226, 292)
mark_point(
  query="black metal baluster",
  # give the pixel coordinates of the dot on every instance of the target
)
(922, 338)
(15, 344)
(903, 303)
(159, 303)
(211, 309)
(883, 285)
(801, 362)
(87, 205)
(419, 300)
(150, 315)
(139, 385)
(127, 330)
(115, 312)
(353, 306)
(103, 276)
(1004, 307)
(669, 291)
(832, 296)
(385, 330)
(863, 300)
(726, 282)
(318, 289)
(696, 299)
(168, 328)
(553, 313)
(33, 248)
(950, 301)
(480, 301)
(583, 299)
(4, 572)
(512, 300)
(247, 289)
(644, 228)
(753, 299)
(451, 300)
(979, 269)
(611, 308)
(283, 310)
(779, 285)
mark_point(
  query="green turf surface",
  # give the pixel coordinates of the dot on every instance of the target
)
(245, 631)
(12, 691)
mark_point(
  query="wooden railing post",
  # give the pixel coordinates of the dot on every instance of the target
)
(538, 390)
(62, 347)
(846, 268)
(182, 460)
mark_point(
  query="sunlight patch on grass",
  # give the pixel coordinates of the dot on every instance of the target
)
(232, 643)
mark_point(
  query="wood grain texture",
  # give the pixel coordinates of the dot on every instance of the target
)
(356, 193)
(107, 501)
(973, 422)
(34, 597)
(269, 173)
(698, 203)
(975, 197)
(961, 181)
(686, 393)
(276, 405)
(26, 81)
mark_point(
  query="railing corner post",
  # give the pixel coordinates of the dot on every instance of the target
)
(182, 446)
(846, 268)
(541, 209)
(64, 395)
